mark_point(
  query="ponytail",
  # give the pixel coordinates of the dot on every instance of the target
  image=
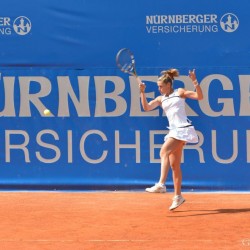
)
(168, 75)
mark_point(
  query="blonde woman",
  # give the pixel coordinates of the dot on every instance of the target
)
(181, 131)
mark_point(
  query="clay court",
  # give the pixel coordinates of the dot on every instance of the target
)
(123, 220)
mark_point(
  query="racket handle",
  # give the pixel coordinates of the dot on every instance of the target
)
(138, 80)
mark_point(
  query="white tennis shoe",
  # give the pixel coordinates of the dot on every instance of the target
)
(177, 201)
(157, 188)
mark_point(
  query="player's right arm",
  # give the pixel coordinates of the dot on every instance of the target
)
(147, 106)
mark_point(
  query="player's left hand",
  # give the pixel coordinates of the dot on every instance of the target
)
(192, 75)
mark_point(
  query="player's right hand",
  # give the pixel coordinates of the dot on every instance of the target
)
(142, 87)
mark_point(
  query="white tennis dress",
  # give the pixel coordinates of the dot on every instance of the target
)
(180, 126)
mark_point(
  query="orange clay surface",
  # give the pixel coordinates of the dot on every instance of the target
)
(123, 220)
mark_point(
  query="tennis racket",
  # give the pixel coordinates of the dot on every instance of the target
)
(125, 61)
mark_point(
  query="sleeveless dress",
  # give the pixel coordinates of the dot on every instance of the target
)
(180, 126)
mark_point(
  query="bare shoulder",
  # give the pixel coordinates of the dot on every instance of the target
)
(156, 101)
(181, 92)
(158, 98)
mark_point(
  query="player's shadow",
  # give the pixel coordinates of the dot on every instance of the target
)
(210, 212)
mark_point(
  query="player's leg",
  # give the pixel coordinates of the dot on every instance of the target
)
(175, 162)
(169, 146)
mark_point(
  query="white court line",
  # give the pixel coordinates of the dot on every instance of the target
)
(55, 240)
(114, 240)
(119, 240)
(38, 240)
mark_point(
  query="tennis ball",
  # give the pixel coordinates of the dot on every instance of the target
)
(46, 112)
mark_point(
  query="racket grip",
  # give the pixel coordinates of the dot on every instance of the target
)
(139, 80)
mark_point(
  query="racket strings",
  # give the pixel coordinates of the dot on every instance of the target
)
(126, 61)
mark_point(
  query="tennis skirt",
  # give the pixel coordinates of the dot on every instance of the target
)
(187, 134)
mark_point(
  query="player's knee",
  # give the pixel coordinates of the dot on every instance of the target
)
(175, 166)
(164, 153)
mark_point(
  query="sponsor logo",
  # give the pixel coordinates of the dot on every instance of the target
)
(191, 23)
(229, 22)
(22, 25)
(11, 26)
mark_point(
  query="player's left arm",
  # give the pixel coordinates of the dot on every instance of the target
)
(197, 94)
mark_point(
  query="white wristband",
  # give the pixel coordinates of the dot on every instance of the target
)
(195, 83)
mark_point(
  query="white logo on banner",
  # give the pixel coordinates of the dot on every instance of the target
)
(229, 22)
(191, 23)
(22, 25)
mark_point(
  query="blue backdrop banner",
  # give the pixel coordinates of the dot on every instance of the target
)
(60, 55)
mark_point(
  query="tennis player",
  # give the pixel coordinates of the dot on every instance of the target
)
(181, 131)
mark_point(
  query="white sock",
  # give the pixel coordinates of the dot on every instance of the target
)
(177, 196)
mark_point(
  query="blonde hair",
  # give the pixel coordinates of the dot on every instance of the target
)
(168, 75)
